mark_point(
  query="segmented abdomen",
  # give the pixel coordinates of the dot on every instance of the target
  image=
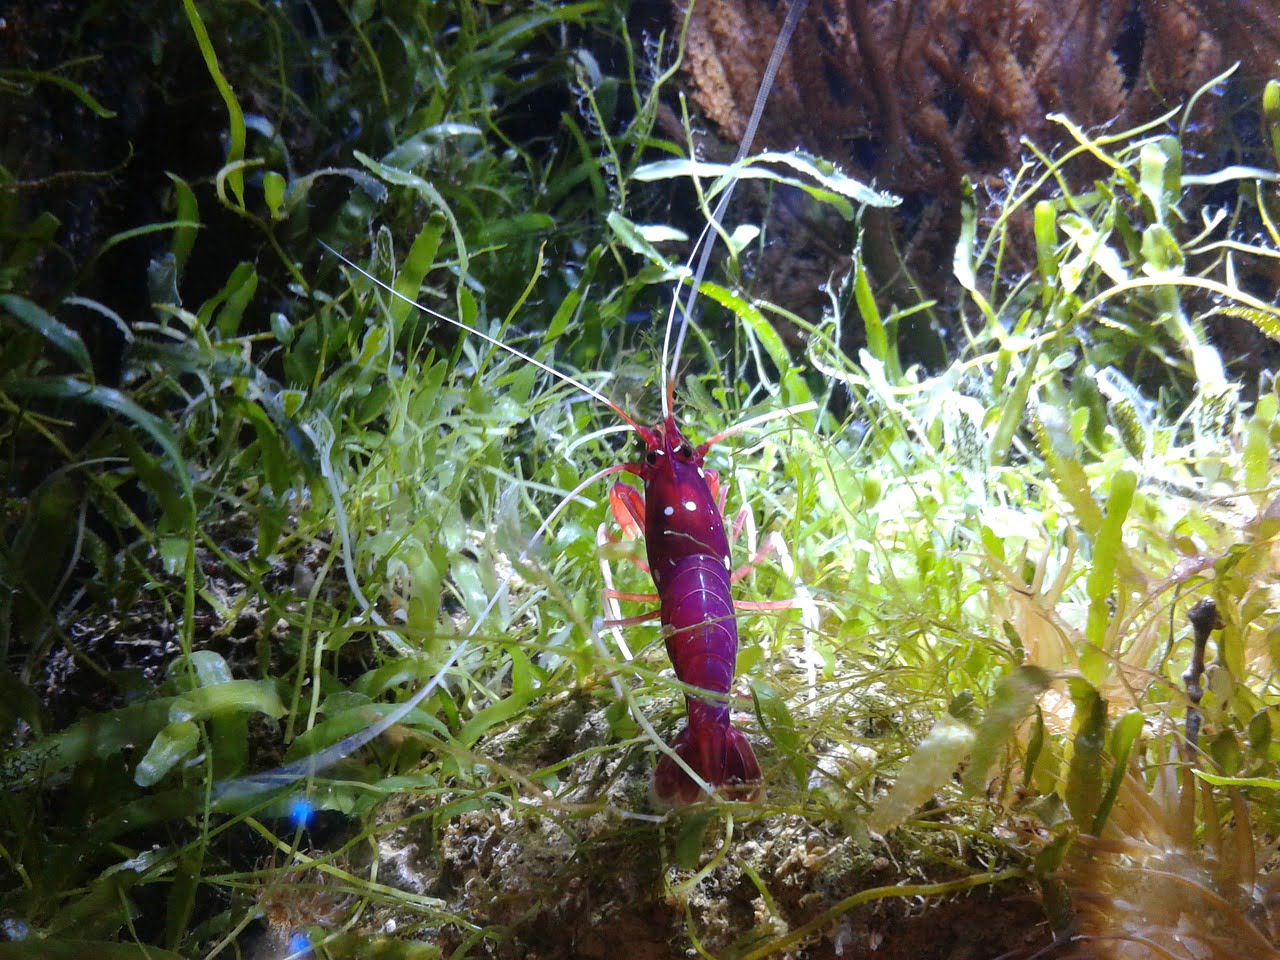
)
(702, 637)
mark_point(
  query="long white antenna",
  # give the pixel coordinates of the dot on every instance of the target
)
(707, 238)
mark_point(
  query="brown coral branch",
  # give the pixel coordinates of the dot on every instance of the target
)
(917, 93)
(879, 77)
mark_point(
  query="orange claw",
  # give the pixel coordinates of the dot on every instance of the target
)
(713, 483)
(628, 509)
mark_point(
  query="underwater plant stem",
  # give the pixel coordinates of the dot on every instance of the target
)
(1244, 858)
(683, 890)
(882, 893)
(1204, 620)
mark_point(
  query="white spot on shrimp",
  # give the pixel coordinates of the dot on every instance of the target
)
(727, 565)
(668, 511)
(661, 453)
(702, 473)
(690, 506)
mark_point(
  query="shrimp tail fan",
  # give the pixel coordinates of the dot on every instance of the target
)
(716, 752)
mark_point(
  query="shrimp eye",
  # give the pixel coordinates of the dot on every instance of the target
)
(651, 457)
(686, 450)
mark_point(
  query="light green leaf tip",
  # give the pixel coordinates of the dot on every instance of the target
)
(929, 768)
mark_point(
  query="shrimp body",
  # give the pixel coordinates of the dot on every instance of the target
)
(688, 555)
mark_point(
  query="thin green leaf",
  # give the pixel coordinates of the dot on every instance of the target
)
(185, 883)
(177, 512)
(1229, 174)
(1122, 740)
(145, 230)
(273, 450)
(1084, 775)
(237, 293)
(1046, 233)
(236, 696)
(872, 322)
(1014, 408)
(97, 736)
(822, 180)
(522, 694)
(209, 668)
(104, 311)
(1160, 174)
(403, 178)
(755, 320)
(1257, 454)
(1271, 111)
(235, 116)
(49, 327)
(962, 264)
(187, 212)
(69, 388)
(174, 743)
(1069, 477)
(661, 233)
(1035, 746)
(1266, 321)
(962, 261)
(416, 266)
(778, 722)
(73, 88)
(569, 305)
(273, 189)
(1161, 252)
(1263, 783)
(928, 770)
(1106, 554)
(691, 838)
(1012, 702)
(500, 231)
(633, 239)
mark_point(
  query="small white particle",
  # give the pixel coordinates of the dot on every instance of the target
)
(726, 563)
(668, 511)
(702, 473)
(690, 506)
(661, 453)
